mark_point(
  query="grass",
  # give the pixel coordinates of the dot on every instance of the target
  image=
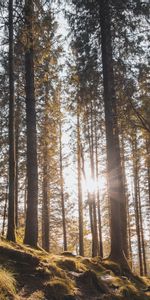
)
(67, 264)
(57, 288)
(53, 276)
(7, 284)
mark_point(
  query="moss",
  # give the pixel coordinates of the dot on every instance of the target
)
(93, 264)
(57, 288)
(7, 284)
(110, 265)
(129, 291)
(38, 295)
(67, 264)
(68, 253)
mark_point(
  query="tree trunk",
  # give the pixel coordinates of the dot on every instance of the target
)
(80, 204)
(147, 142)
(136, 201)
(31, 229)
(5, 211)
(45, 203)
(98, 194)
(17, 157)
(11, 231)
(62, 188)
(114, 170)
(142, 233)
(124, 212)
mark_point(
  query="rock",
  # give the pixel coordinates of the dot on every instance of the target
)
(91, 282)
(69, 297)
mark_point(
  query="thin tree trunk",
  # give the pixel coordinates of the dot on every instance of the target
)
(89, 199)
(80, 204)
(114, 170)
(62, 188)
(11, 231)
(45, 203)
(124, 212)
(91, 195)
(17, 157)
(31, 228)
(142, 233)
(136, 202)
(98, 194)
(148, 165)
(129, 235)
(5, 210)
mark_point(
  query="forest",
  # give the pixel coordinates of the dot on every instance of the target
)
(74, 149)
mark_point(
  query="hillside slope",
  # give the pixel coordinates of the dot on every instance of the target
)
(26, 273)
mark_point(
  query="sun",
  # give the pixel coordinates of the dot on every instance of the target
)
(91, 186)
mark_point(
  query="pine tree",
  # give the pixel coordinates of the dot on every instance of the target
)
(31, 229)
(12, 167)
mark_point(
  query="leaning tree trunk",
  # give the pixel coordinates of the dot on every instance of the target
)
(31, 229)
(12, 165)
(114, 170)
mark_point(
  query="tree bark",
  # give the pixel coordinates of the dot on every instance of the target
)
(5, 210)
(80, 204)
(62, 188)
(11, 231)
(114, 170)
(31, 229)
(136, 201)
(98, 193)
(45, 204)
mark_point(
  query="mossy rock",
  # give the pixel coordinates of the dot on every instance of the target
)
(93, 264)
(68, 253)
(131, 292)
(91, 282)
(114, 267)
(67, 264)
(57, 289)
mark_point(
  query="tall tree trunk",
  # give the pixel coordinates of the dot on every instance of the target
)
(62, 188)
(124, 212)
(136, 201)
(98, 194)
(147, 142)
(17, 157)
(114, 170)
(80, 204)
(5, 210)
(31, 229)
(45, 203)
(11, 231)
(89, 200)
(142, 233)
(93, 194)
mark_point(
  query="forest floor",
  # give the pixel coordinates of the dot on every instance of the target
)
(26, 273)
